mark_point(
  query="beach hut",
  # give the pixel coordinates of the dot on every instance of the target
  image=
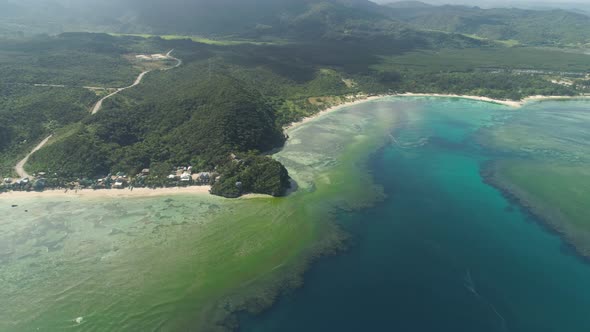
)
(120, 184)
(185, 177)
(203, 177)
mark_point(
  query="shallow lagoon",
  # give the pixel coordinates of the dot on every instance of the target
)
(181, 262)
(440, 251)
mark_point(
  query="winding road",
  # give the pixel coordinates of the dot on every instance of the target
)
(20, 167)
(98, 104)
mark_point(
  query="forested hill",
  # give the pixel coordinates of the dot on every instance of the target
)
(534, 27)
(194, 17)
(220, 18)
(290, 19)
(174, 119)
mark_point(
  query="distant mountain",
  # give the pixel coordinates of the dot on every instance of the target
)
(288, 19)
(408, 4)
(256, 18)
(536, 27)
(189, 17)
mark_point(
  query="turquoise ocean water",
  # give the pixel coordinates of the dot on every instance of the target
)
(444, 252)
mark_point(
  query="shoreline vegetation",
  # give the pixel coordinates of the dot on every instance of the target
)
(206, 190)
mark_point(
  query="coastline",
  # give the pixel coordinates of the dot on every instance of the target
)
(204, 190)
(511, 103)
(108, 193)
(359, 99)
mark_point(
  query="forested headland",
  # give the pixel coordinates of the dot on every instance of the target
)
(228, 103)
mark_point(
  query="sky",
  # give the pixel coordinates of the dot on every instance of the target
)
(526, 4)
(504, 3)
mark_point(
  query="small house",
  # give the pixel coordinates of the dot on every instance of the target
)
(120, 184)
(185, 177)
(203, 177)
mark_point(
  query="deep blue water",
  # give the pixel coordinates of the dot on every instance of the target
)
(444, 251)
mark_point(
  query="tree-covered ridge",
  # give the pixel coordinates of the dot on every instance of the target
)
(72, 59)
(196, 17)
(533, 27)
(196, 122)
(287, 19)
(28, 114)
(43, 80)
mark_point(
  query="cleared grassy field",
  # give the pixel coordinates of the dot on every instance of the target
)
(203, 40)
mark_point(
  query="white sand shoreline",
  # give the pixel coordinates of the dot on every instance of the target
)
(364, 99)
(506, 102)
(109, 193)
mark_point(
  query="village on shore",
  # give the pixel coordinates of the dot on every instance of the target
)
(182, 176)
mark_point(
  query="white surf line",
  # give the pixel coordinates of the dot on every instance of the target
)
(20, 167)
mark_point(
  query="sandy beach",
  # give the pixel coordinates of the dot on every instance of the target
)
(362, 99)
(106, 193)
(546, 98)
(356, 101)
(511, 103)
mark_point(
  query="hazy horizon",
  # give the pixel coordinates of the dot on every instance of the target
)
(566, 4)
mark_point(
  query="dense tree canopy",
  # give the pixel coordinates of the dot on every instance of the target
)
(233, 99)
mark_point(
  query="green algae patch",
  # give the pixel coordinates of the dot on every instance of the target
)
(557, 193)
(542, 155)
(185, 262)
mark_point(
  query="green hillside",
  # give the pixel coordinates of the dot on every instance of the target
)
(543, 27)
(263, 67)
